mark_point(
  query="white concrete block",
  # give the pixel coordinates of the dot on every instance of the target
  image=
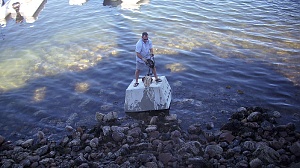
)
(155, 97)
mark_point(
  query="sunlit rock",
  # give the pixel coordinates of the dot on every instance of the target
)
(175, 67)
(82, 87)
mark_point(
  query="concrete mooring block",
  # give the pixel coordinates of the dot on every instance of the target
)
(153, 98)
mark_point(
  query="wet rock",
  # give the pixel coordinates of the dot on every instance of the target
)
(111, 116)
(99, 116)
(276, 114)
(1, 139)
(254, 117)
(194, 129)
(210, 125)
(106, 130)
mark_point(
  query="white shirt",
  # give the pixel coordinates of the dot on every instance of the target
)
(143, 48)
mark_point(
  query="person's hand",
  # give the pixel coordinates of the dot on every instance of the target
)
(144, 59)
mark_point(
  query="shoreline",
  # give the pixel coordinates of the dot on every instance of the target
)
(251, 138)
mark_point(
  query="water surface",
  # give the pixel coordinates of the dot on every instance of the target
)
(74, 61)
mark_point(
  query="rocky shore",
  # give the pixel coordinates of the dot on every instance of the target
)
(251, 138)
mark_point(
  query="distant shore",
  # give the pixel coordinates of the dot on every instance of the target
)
(251, 138)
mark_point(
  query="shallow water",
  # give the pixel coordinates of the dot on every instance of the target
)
(74, 61)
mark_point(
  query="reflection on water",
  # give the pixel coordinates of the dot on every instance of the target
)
(68, 65)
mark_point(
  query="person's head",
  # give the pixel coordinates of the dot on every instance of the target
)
(145, 36)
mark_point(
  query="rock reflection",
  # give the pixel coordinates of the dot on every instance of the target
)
(126, 4)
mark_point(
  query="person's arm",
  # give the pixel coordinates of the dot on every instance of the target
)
(141, 57)
(151, 52)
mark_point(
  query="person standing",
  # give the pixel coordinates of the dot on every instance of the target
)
(144, 51)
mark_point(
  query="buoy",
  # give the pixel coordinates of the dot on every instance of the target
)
(156, 97)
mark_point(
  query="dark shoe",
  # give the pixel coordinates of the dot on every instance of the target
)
(158, 80)
(135, 84)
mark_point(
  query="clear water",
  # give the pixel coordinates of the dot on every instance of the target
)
(74, 61)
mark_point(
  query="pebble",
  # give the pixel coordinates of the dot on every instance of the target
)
(249, 139)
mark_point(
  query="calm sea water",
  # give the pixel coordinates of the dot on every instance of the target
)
(74, 61)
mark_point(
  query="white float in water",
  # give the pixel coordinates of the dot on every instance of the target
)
(153, 98)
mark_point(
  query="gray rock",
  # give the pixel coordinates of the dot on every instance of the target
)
(134, 132)
(2, 139)
(172, 117)
(254, 116)
(99, 116)
(74, 142)
(6, 163)
(199, 161)
(267, 154)
(153, 120)
(165, 157)
(213, 150)
(256, 163)
(42, 150)
(151, 165)
(276, 144)
(94, 142)
(295, 148)
(111, 116)
(118, 136)
(276, 114)
(151, 128)
(249, 145)
(106, 130)
(194, 147)
(28, 143)
(210, 125)
(194, 129)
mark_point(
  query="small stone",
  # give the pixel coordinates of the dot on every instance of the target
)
(249, 145)
(99, 116)
(151, 128)
(276, 114)
(295, 148)
(171, 117)
(118, 136)
(111, 116)
(165, 158)
(255, 116)
(213, 150)
(227, 136)
(106, 130)
(42, 150)
(135, 132)
(210, 125)
(256, 163)
(69, 128)
(28, 143)
(2, 139)
(153, 120)
(94, 142)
